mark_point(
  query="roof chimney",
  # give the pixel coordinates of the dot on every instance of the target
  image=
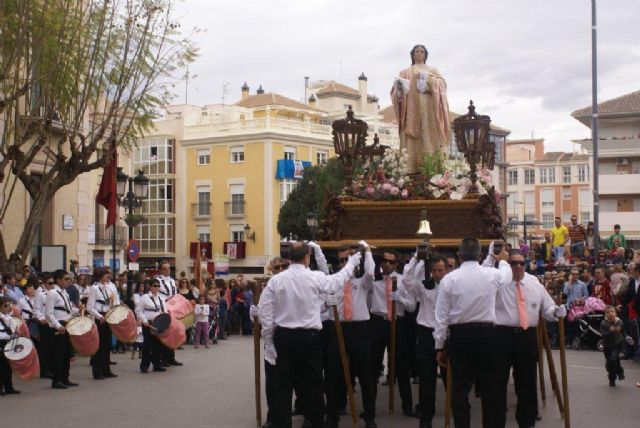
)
(260, 91)
(306, 87)
(312, 101)
(245, 91)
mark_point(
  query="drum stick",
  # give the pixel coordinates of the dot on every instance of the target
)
(552, 368)
(256, 366)
(345, 367)
(447, 400)
(543, 392)
(392, 352)
(563, 371)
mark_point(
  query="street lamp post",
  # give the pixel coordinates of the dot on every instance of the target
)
(133, 199)
(312, 223)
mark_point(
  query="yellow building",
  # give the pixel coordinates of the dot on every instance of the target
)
(217, 169)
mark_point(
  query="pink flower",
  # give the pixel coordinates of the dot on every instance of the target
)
(370, 190)
(394, 191)
(405, 193)
(386, 187)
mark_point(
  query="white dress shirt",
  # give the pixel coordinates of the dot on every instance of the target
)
(359, 290)
(5, 327)
(167, 286)
(27, 308)
(58, 307)
(536, 299)
(83, 291)
(149, 307)
(39, 302)
(379, 297)
(100, 298)
(413, 276)
(467, 295)
(294, 298)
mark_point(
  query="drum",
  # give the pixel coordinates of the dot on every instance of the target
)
(182, 309)
(169, 331)
(23, 358)
(15, 311)
(123, 323)
(20, 327)
(83, 335)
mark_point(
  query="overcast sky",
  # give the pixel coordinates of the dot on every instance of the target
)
(525, 63)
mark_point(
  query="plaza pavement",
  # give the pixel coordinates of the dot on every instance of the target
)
(215, 389)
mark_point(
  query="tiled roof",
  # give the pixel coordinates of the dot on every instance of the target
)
(624, 104)
(270, 98)
(563, 157)
(334, 86)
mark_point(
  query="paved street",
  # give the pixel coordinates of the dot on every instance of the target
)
(215, 389)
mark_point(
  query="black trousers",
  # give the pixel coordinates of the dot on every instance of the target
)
(517, 349)
(6, 382)
(403, 364)
(151, 349)
(410, 327)
(427, 370)
(269, 373)
(358, 348)
(379, 332)
(100, 361)
(61, 353)
(471, 349)
(612, 358)
(299, 357)
(44, 349)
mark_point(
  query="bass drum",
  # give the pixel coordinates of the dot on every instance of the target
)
(83, 335)
(23, 358)
(169, 331)
(123, 323)
(182, 309)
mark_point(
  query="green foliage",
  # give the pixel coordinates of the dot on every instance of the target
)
(308, 197)
(433, 163)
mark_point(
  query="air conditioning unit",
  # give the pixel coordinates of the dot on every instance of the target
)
(622, 161)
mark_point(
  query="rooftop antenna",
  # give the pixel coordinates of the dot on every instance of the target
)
(225, 91)
(186, 79)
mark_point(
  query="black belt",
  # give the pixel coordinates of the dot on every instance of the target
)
(425, 328)
(515, 329)
(486, 325)
(378, 317)
(61, 308)
(299, 330)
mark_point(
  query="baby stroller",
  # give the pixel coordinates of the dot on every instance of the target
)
(588, 318)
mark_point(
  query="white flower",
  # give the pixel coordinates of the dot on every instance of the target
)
(455, 195)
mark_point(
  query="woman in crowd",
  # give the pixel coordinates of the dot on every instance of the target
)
(223, 306)
(213, 296)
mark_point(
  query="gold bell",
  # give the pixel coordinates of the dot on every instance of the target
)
(424, 229)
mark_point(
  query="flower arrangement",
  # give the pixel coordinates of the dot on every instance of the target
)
(386, 178)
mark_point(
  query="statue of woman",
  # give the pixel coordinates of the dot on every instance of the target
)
(419, 97)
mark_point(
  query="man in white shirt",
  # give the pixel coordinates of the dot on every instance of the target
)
(6, 332)
(102, 297)
(518, 306)
(426, 294)
(58, 311)
(149, 307)
(289, 312)
(167, 289)
(354, 320)
(465, 307)
(44, 344)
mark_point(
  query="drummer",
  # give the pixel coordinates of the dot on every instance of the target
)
(44, 344)
(6, 383)
(28, 310)
(167, 289)
(58, 311)
(149, 307)
(101, 299)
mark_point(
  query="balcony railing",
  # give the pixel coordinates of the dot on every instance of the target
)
(234, 209)
(285, 126)
(201, 210)
(105, 236)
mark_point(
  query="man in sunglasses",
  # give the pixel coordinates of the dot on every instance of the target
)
(289, 312)
(518, 306)
(43, 346)
(465, 307)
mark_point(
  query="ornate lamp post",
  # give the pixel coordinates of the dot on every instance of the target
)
(312, 223)
(472, 137)
(349, 137)
(133, 199)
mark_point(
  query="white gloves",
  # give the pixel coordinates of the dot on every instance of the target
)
(395, 296)
(363, 244)
(354, 259)
(490, 253)
(331, 300)
(560, 312)
(313, 245)
(270, 354)
(253, 311)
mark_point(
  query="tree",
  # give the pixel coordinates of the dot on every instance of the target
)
(75, 77)
(308, 197)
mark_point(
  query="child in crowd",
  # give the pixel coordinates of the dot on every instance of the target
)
(611, 329)
(202, 323)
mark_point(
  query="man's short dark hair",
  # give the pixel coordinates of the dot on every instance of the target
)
(515, 252)
(470, 249)
(59, 274)
(617, 226)
(6, 277)
(437, 258)
(558, 218)
(392, 252)
(298, 251)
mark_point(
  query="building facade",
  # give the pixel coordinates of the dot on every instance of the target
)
(618, 164)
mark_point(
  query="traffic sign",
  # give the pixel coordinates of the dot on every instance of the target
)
(133, 250)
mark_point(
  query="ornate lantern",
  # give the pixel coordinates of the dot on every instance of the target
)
(472, 137)
(349, 137)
